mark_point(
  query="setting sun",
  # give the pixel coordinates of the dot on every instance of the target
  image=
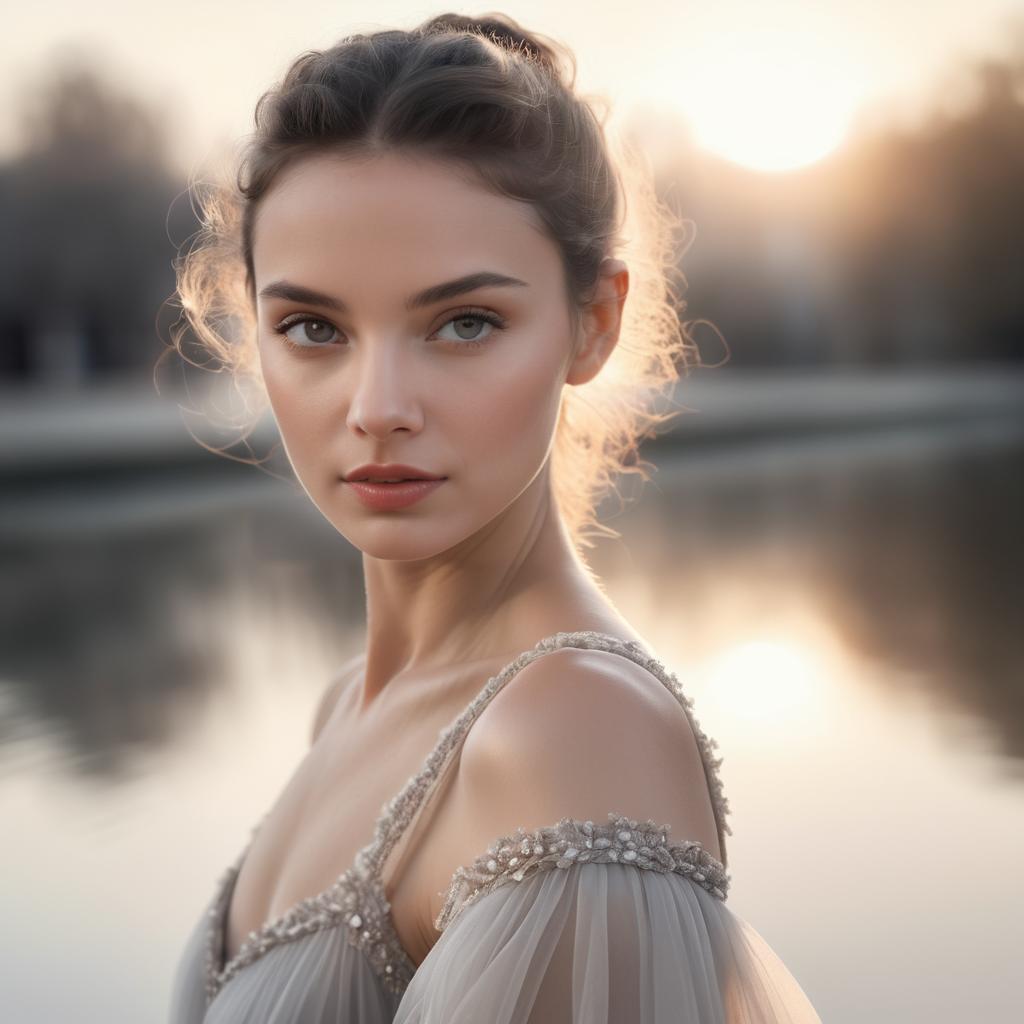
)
(772, 100)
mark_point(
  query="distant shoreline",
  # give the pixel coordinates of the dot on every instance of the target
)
(119, 429)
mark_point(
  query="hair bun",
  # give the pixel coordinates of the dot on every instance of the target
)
(502, 30)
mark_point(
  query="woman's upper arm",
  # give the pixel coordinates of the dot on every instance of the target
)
(574, 736)
(581, 733)
(587, 888)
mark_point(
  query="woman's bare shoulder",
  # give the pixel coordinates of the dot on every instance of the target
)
(582, 733)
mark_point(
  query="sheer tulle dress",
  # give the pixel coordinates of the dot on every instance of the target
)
(576, 922)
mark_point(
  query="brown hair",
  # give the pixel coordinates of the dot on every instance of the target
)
(500, 101)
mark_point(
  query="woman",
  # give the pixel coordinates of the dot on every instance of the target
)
(423, 257)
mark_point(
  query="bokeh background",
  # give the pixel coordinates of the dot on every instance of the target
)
(828, 553)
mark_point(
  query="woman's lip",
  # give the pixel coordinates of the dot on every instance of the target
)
(388, 497)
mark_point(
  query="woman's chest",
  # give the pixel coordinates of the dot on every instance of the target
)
(328, 811)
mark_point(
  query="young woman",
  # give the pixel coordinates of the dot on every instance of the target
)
(508, 812)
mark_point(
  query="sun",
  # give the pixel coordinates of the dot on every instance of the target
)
(772, 100)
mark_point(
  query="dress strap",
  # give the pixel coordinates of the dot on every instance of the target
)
(399, 812)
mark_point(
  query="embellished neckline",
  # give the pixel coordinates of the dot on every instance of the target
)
(357, 897)
(351, 900)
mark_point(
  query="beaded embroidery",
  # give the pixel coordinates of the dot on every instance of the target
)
(358, 904)
(357, 898)
(621, 840)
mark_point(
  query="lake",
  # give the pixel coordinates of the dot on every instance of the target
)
(844, 610)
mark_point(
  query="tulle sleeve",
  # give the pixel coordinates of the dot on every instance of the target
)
(630, 929)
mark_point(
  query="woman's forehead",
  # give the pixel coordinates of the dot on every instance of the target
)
(373, 205)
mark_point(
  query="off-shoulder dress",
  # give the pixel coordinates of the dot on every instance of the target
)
(576, 922)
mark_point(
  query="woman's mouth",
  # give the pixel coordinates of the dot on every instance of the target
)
(384, 496)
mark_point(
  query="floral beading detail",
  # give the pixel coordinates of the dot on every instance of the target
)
(354, 903)
(571, 841)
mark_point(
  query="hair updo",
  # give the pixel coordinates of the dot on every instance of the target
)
(500, 101)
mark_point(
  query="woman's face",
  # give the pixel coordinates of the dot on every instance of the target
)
(466, 386)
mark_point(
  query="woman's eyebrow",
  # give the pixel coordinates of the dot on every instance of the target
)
(436, 293)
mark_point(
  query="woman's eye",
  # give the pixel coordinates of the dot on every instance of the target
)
(468, 331)
(308, 333)
(468, 327)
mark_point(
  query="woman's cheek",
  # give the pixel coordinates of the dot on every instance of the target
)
(515, 435)
(299, 396)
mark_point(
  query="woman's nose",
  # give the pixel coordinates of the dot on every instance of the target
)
(384, 397)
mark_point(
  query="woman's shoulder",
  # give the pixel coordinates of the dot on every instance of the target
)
(601, 695)
(580, 733)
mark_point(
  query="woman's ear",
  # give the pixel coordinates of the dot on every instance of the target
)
(601, 322)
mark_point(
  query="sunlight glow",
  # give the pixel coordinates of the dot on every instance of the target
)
(766, 681)
(769, 98)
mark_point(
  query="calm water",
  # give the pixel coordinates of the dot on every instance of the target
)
(846, 615)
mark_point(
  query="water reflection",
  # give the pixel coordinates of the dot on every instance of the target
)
(845, 615)
(905, 561)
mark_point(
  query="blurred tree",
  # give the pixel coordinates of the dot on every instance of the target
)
(85, 257)
(902, 246)
(980, 161)
(932, 221)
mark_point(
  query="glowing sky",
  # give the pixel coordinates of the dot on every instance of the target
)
(768, 83)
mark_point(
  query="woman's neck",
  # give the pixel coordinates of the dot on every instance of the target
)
(496, 593)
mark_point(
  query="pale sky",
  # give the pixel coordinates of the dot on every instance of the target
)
(819, 63)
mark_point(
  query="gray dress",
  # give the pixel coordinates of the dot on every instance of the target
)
(577, 922)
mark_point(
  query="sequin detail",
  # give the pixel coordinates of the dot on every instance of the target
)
(356, 900)
(571, 841)
(356, 904)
